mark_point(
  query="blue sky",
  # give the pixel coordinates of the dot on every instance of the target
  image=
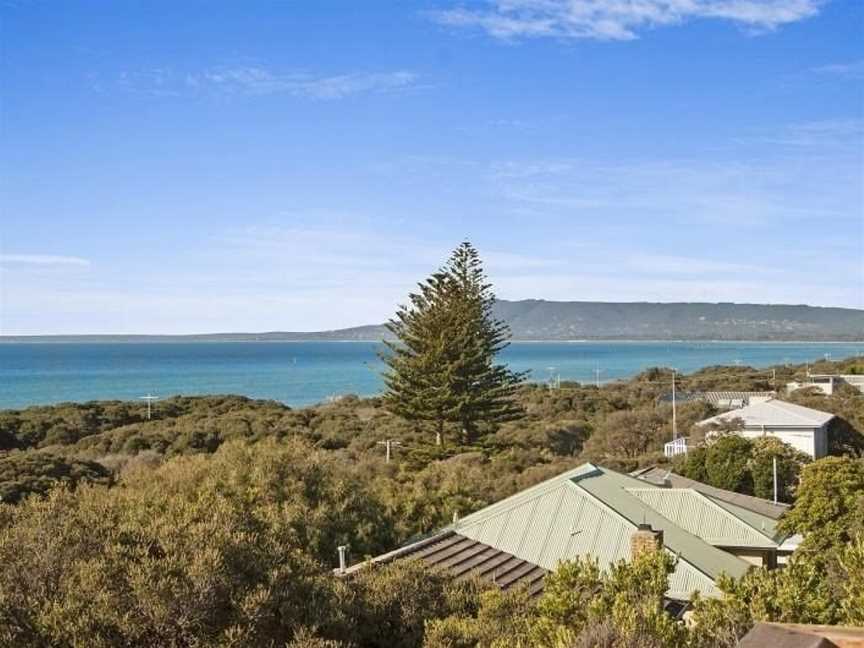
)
(176, 167)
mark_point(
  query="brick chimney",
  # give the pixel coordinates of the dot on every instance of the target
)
(645, 539)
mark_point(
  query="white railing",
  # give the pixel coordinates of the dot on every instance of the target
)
(676, 447)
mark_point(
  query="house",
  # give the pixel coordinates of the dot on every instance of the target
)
(599, 513)
(827, 383)
(803, 428)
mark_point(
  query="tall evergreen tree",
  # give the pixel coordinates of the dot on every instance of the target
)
(442, 366)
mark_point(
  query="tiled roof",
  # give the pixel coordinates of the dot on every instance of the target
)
(794, 635)
(464, 557)
(744, 503)
(774, 413)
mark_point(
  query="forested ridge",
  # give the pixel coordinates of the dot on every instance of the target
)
(216, 522)
(540, 319)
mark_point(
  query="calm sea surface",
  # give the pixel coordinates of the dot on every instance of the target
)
(300, 373)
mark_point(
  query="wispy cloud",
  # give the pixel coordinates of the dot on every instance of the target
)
(618, 19)
(810, 171)
(821, 134)
(43, 260)
(258, 80)
(850, 70)
(671, 265)
(685, 192)
(159, 82)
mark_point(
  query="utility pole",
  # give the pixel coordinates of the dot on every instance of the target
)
(389, 444)
(149, 399)
(774, 379)
(674, 409)
(554, 379)
(597, 371)
(774, 459)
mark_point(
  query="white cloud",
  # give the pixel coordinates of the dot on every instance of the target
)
(43, 260)
(260, 81)
(618, 19)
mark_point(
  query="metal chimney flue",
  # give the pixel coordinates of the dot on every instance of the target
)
(343, 553)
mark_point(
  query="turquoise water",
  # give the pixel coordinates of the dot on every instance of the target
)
(301, 373)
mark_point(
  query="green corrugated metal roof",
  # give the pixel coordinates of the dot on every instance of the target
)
(663, 477)
(763, 523)
(703, 517)
(589, 512)
(610, 487)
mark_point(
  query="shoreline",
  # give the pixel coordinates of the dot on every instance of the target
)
(169, 339)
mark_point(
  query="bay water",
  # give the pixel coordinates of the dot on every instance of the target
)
(302, 373)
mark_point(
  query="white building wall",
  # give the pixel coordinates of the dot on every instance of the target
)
(804, 440)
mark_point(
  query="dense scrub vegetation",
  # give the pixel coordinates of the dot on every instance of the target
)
(745, 466)
(216, 522)
(228, 550)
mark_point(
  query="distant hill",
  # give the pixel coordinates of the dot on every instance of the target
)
(546, 320)
(537, 319)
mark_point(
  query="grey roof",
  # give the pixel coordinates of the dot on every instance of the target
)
(744, 503)
(718, 398)
(774, 413)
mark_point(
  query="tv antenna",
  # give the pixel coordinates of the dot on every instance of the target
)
(149, 398)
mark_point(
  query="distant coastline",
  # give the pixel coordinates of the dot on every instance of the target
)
(204, 339)
(533, 320)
